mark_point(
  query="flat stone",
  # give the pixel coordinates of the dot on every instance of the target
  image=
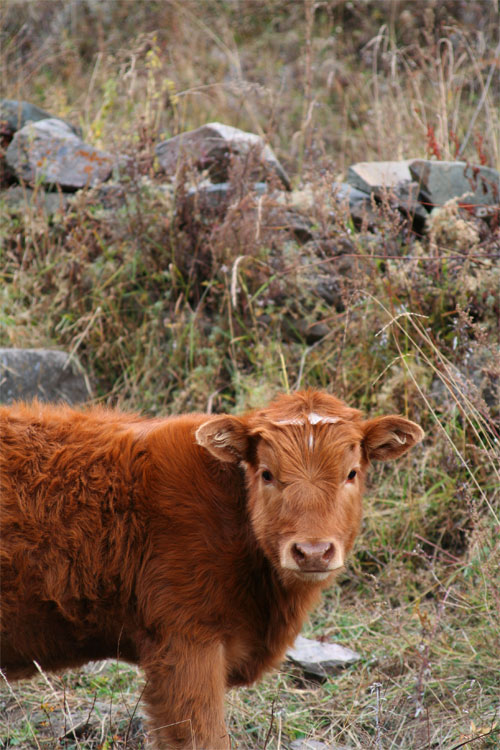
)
(320, 658)
(15, 114)
(212, 147)
(368, 175)
(476, 187)
(48, 151)
(388, 179)
(46, 374)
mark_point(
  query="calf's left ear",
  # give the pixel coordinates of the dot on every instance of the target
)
(225, 437)
(390, 437)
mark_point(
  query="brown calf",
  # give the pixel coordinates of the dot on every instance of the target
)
(194, 546)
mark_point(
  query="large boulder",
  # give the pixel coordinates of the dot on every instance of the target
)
(213, 146)
(42, 373)
(48, 151)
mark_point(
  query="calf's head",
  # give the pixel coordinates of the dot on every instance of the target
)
(305, 458)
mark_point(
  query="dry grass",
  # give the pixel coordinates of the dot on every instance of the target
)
(169, 311)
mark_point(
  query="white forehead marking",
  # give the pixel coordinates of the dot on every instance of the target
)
(314, 418)
(311, 441)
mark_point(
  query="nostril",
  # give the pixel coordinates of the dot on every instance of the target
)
(298, 553)
(328, 553)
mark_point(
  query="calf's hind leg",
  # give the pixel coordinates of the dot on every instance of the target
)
(184, 694)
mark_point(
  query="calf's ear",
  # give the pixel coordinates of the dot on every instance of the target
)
(390, 437)
(225, 437)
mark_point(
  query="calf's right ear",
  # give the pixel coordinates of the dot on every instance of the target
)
(225, 437)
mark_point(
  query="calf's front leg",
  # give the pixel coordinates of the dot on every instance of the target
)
(184, 694)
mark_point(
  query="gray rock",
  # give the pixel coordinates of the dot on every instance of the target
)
(476, 187)
(368, 175)
(213, 146)
(48, 151)
(210, 197)
(320, 658)
(388, 179)
(43, 373)
(356, 201)
(14, 115)
(345, 192)
(18, 198)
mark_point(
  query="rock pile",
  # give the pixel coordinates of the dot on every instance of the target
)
(42, 150)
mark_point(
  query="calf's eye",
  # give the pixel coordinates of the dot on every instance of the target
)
(267, 476)
(351, 475)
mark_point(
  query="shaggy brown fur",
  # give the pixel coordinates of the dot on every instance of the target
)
(194, 546)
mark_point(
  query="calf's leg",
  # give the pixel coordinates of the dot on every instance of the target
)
(184, 694)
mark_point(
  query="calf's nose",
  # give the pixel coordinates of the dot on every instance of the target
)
(313, 557)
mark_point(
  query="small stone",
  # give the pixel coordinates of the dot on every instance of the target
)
(320, 658)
